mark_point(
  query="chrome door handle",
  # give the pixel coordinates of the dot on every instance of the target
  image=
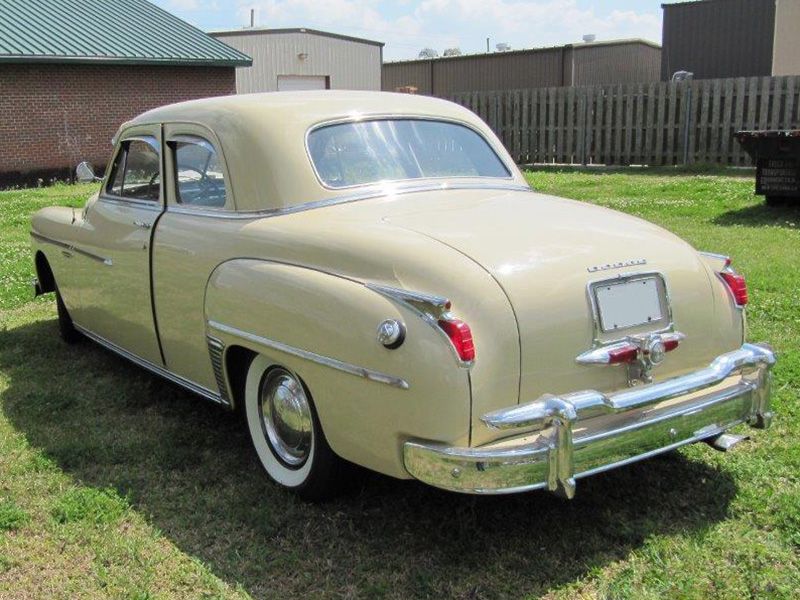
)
(143, 224)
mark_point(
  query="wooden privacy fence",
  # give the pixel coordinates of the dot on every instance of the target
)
(637, 124)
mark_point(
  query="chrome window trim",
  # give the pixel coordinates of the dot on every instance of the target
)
(403, 117)
(153, 205)
(374, 192)
(179, 207)
(312, 356)
(147, 139)
(153, 368)
(69, 247)
(191, 138)
(115, 198)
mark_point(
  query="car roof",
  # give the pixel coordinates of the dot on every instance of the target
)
(262, 137)
(313, 106)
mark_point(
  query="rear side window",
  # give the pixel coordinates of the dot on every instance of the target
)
(136, 171)
(199, 180)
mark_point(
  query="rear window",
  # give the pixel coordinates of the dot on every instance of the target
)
(363, 152)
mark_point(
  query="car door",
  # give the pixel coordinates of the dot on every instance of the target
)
(115, 299)
(195, 234)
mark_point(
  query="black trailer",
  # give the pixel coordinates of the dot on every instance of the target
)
(777, 158)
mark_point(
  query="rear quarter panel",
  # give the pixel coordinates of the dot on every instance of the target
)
(364, 421)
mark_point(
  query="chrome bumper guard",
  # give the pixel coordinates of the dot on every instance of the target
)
(558, 439)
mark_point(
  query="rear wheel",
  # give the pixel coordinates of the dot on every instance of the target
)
(65, 326)
(286, 432)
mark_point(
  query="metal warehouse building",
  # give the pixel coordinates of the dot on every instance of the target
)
(304, 59)
(620, 61)
(72, 71)
(731, 38)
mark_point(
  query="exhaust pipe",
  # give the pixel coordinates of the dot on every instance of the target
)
(725, 441)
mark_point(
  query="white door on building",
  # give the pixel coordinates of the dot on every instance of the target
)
(299, 83)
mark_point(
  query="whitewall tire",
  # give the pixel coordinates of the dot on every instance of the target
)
(286, 433)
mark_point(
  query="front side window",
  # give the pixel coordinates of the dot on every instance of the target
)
(136, 172)
(198, 173)
(364, 152)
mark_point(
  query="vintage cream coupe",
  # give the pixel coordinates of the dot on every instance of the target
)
(370, 279)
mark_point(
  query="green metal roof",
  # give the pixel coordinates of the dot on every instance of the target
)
(105, 32)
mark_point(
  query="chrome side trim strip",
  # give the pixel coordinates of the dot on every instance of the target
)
(372, 192)
(69, 247)
(313, 357)
(49, 240)
(153, 368)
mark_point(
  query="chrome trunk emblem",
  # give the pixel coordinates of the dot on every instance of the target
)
(617, 265)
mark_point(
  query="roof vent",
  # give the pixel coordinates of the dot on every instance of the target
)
(589, 38)
(503, 47)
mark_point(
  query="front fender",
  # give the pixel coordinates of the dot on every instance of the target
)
(316, 323)
(52, 230)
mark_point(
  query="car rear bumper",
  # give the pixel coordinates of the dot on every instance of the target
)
(556, 440)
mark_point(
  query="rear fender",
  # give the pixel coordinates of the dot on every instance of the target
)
(731, 322)
(324, 328)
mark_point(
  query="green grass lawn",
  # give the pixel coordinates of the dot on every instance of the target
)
(115, 484)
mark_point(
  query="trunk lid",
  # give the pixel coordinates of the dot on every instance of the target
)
(544, 252)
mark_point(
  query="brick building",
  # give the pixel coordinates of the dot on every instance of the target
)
(72, 71)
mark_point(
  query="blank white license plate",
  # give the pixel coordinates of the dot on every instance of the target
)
(628, 304)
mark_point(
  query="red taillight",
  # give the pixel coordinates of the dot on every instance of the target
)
(671, 344)
(624, 353)
(737, 286)
(461, 337)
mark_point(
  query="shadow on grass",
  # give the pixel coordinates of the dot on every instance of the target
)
(188, 467)
(761, 215)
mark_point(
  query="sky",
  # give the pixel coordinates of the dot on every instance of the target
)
(407, 26)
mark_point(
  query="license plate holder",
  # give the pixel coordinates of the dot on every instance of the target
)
(628, 303)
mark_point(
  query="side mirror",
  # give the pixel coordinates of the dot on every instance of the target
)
(85, 173)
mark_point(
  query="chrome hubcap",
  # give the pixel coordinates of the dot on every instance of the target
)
(286, 417)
